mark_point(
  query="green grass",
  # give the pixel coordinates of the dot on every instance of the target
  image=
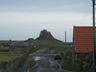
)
(58, 48)
(45, 42)
(34, 49)
(5, 57)
(67, 65)
(33, 63)
(55, 45)
(4, 49)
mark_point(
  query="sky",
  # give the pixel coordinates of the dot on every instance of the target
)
(23, 19)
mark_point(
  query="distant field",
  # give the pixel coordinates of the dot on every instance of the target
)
(59, 48)
(4, 44)
(46, 42)
(5, 57)
(4, 49)
(56, 45)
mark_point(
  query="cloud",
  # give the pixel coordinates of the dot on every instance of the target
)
(27, 17)
(26, 23)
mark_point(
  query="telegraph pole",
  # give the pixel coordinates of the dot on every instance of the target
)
(65, 37)
(94, 45)
(65, 40)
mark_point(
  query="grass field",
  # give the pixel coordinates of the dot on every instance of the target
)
(57, 46)
(5, 57)
(35, 45)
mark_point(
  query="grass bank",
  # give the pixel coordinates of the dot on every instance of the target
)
(34, 49)
(67, 65)
(59, 48)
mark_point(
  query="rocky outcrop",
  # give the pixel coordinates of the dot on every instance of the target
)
(45, 35)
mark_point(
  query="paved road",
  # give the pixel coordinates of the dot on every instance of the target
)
(45, 63)
(30, 58)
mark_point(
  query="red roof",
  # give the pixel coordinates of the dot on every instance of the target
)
(83, 39)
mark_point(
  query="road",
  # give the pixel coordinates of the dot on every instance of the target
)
(45, 63)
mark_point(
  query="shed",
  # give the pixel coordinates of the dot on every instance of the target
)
(19, 44)
(19, 47)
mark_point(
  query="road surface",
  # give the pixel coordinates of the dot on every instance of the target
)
(45, 63)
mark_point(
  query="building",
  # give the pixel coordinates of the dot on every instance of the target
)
(83, 39)
(19, 47)
(83, 43)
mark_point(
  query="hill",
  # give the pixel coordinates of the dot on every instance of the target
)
(45, 35)
(46, 38)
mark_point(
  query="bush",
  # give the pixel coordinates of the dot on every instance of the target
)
(33, 63)
(68, 66)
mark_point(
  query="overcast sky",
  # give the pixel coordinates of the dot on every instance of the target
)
(23, 19)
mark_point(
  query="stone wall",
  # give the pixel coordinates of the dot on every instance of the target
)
(14, 65)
